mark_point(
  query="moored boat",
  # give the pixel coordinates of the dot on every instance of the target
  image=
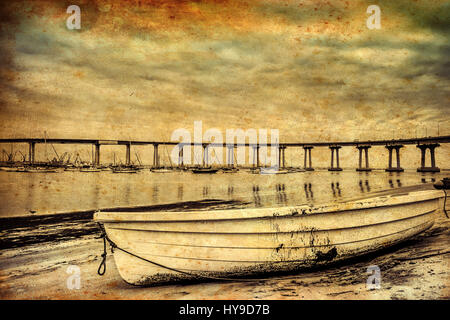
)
(296, 170)
(124, 170)
(204, 170)
(72, 168)
(268, 171)
(36, 169)
(8, 169)
(41, 170)
(229, 170)
(161, 170)
(160, 247)
(90, 169)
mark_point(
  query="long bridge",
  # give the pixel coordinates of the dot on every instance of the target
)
(423, 143)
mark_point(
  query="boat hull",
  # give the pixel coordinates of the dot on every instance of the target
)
(249, 242)
(269, 171)
(204, 171)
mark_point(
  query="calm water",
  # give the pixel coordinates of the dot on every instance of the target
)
(43, 193)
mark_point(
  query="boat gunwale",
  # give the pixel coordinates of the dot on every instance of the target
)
(268, 213)
(310, 230)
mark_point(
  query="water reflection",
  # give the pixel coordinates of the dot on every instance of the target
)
(366, 183)
(180, 192)
(70, 191)
(205, 191)
(230, 191)
(391, 184)
(256, 196)
(399, 183)
(365, 186)
(95, 198)
(335, 188)
(424, 180)
(30, 199)
(127, 193)
(308, 191)
(155, 193)
(281, 194)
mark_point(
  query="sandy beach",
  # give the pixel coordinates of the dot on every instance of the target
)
(34, 264)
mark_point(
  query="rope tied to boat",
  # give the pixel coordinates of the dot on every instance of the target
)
(102, 267)
(445, 201)
(443, 185)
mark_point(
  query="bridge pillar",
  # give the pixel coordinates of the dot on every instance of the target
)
(258, 163)
(390, 148)
(128, 154)
(281, 156)
(155, 156)
(180, 156)
(97, 154)
(308, 162)
(256, 156)
(423, 149)
(333, 150)
(205, 155)
(366, 156)
(31, 152)
(230, 156)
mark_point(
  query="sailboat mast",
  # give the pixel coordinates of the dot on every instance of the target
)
(170, 161)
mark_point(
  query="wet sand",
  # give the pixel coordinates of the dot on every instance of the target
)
(35, 257)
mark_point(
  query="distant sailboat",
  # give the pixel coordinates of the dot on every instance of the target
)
(229, 170)
(164, 169)
(269, 171)
(204, 170)
(40, 170)
(124, 170)
(72, 168)
(89, 169)
(8, 169)
(161, 170)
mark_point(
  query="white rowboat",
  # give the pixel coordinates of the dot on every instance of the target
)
(247, 242)
(269, 171)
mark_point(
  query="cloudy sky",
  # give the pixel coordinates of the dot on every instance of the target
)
(141, 69)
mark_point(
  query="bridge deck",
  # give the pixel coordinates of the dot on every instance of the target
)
(440, 139)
